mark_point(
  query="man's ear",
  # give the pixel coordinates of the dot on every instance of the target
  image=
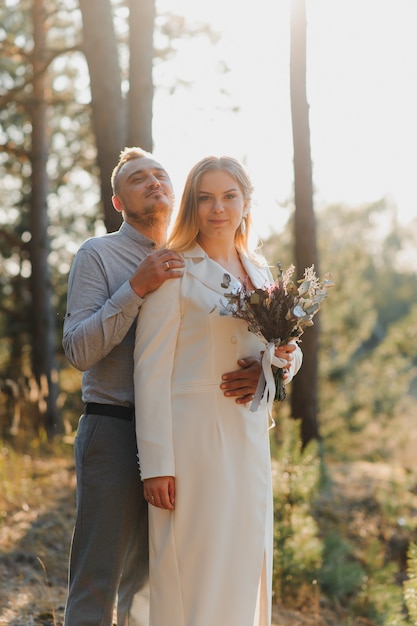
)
(117, 203)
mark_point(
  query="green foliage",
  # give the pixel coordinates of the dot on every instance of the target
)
(341, 531)
(297, 549)
(367, 369)
(368, 338)
(410, 585)
(340, 575)
(368, 326)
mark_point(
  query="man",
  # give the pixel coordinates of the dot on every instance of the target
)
(109, 279)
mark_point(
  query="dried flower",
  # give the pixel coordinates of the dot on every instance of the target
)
(278, 313)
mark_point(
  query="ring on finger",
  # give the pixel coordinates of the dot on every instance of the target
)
(167, 264)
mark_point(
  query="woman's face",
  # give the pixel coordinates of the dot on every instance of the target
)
(221, 206)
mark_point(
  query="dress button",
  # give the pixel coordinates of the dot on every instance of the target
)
(233, 339)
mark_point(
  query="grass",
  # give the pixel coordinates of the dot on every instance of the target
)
(36, 508)
(342, 535)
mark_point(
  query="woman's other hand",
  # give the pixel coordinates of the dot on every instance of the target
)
(160, 492)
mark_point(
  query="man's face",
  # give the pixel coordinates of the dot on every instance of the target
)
(144, 192)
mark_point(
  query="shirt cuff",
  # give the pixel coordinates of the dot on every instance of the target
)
(127, 300)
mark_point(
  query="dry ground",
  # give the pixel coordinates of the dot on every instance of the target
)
(35, 530)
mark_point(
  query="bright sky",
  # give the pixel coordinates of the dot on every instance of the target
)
(362, 92)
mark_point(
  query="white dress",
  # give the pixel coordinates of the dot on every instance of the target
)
(211, 558)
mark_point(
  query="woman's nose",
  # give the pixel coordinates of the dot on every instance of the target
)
(217, 205)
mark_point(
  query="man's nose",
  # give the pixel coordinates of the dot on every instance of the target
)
(153, 181)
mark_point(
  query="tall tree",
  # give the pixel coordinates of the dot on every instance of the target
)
(34, 35)
(304, 386)
(118, 120)
(43, 318)
(107, 103)
(141, 54)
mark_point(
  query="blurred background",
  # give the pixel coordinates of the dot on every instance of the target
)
(317, 98)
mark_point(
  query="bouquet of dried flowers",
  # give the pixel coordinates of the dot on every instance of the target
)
(277, 314)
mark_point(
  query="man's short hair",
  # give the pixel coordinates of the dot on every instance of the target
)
(127, 154)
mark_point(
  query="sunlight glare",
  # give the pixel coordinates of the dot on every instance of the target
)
(361, 60)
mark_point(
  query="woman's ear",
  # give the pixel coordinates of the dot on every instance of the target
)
(246, 208)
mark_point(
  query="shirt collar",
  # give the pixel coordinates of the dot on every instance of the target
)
(137, 236)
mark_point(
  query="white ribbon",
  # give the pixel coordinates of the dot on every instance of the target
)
(265, 391)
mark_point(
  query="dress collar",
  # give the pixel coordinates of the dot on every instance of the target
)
(199, 260)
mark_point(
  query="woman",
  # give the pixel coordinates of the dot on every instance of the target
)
(205, 460)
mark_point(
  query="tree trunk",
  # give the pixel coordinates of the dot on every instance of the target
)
(140, 99)
(43, 317)
(108, 109)
(304, 385)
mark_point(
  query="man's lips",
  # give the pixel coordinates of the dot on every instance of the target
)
(155, 192)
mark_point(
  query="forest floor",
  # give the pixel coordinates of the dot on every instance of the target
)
(36, 520)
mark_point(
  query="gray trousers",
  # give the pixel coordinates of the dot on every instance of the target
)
(109, 550)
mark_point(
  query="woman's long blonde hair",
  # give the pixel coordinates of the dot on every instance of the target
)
(185, 230)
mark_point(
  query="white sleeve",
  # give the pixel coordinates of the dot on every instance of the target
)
(154, 355)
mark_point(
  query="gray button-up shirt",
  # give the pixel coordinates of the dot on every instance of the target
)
(102, 308)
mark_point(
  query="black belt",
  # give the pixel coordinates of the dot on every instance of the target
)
(110, 410)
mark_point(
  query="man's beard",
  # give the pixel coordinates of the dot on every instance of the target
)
(151, 215)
